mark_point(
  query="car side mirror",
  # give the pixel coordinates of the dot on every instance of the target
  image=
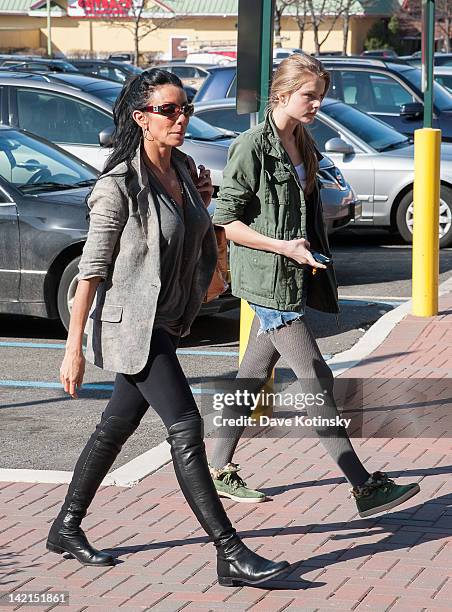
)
(106, 136)
(412, 110)
(337, 145)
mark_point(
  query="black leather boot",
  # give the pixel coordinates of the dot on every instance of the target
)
(96, 459)
(236, 564)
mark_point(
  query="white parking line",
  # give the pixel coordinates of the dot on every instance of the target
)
(374, 298)
(62, 345)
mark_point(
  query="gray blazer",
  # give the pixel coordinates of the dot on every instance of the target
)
(123, 248)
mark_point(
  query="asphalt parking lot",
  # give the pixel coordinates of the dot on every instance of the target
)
(41, 428)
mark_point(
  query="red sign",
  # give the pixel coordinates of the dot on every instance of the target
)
(101, 8)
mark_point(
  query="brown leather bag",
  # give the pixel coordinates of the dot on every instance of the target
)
(218, 284)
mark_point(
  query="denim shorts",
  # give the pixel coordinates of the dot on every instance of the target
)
(271, 319)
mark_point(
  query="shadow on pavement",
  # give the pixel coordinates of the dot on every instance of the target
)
(388, 524)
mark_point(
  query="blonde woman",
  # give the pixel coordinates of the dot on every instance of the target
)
(270, 207)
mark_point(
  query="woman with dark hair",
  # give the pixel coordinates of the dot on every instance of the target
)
(146, 265)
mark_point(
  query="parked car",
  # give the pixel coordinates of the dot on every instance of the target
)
(38, 64)
(390, 91)
(101, 88)
(376, 160)
(190, 74)
(79, 122)
(106, 90)
(387, 90)
(73, 118)
(379, 53)
(281, 52)
(340, 204)
(5, 57)
(43, 227)
(206, 58)
(221, 83)
(190, 92)
(439, 59)
(112, 70)
(122, 57)
(43, 224)
(443, 75)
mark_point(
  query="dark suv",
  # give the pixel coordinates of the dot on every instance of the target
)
(388, 90)
(36, 64)
(106, 69)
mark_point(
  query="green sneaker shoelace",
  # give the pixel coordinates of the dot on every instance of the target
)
(378, 480)
(232, 479)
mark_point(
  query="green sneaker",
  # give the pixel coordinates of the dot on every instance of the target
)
(229, 484)
(380, 493)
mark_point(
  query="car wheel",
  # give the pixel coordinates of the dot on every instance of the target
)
(66, 291)
(404, 217)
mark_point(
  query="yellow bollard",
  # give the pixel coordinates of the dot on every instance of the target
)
(427, 156)
(246, 320)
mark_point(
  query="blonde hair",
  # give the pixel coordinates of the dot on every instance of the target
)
(290, 75)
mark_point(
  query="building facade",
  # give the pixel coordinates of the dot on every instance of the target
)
(175, 27)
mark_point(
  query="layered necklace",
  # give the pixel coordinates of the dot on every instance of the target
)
(179, 183)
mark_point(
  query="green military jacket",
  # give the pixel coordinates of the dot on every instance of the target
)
(261, 188)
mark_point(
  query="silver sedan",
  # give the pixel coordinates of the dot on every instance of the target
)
(375, 159)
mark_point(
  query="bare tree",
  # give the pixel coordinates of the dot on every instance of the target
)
(322, 12)
(346, 14)
(280, 7)
(311, 12)
(139, 23)
(444, 21)
(301, 18)
(410, 14)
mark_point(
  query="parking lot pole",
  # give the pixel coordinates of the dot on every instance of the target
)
(427, 157)
(266, 54)
(428, 50)
(254, 102)
(49, 30)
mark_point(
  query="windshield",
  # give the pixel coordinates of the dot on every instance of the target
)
(445, 80)
(372, 131)
(131, 68)
(66, 66)
(33, 166)
(442, 98)
(200, 130)
(107, 94)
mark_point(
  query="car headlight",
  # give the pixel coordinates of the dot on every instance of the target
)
(333, 175)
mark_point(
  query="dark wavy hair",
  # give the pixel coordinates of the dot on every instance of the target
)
(134, 96)
(127, 136)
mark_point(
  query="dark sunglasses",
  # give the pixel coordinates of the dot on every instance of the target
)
(171, 110)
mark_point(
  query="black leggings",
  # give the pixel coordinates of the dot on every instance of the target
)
(161, 384)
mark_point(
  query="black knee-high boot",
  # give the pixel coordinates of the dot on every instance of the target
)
(236, 564)
(96, 459)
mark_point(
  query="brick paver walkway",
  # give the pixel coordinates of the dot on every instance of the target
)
(399, 561)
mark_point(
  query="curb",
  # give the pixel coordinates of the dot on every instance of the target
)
(149, 462)
(374, 336)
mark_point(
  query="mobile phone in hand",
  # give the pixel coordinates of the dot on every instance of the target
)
(321, 258)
